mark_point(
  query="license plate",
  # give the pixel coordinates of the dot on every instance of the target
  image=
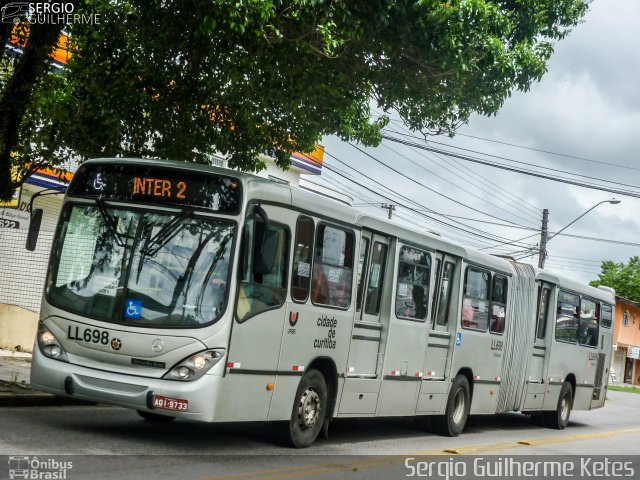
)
(169, 403)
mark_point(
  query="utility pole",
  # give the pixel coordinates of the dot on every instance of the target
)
(543, 238)
(391, 208)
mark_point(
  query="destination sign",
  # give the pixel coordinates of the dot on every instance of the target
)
(156, 184)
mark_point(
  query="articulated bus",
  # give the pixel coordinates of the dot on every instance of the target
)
(191, 292)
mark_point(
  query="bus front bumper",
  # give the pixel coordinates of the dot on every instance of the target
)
(65, 379)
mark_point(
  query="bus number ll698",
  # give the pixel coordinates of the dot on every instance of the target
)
(88, 335)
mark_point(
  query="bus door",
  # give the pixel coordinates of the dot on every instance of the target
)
(439, 339)
(364, 365)
(539, 356)
(439, 343)
(409, 323)
(603, 358)
(260, 309)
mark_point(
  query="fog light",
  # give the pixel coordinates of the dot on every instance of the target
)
(184, 373)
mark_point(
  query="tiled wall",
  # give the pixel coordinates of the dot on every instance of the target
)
(22, 273)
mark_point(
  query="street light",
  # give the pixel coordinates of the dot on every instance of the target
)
(543, 243)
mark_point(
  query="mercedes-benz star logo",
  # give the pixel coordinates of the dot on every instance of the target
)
(157, 345)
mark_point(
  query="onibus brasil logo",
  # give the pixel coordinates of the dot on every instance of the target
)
(38, 469)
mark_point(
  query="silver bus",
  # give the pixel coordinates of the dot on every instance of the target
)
(185, 291)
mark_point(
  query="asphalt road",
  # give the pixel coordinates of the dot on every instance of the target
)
(121, 445)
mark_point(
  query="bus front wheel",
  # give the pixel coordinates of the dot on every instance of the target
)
(559, 418)
(309, 410)
(452, 422)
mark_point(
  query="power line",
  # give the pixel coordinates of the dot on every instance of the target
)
(455, 185)
(483, 234)
(517, 170)
(425, 187)
(575, 157)
(498, 190)
(499, 157)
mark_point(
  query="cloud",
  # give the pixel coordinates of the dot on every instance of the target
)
(588, 105)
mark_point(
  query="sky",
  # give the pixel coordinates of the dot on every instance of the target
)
(586, 106)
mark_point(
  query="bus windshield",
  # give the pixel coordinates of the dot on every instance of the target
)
(141, 268)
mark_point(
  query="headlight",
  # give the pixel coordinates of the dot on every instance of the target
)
(195, 366)
(49, 345)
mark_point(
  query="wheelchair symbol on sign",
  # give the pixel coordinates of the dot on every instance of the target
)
(134, 309)
(98, 183)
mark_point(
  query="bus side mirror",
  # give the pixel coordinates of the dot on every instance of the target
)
(34, 229)
(267, 254)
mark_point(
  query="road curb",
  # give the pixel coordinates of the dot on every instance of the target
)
(13, 395)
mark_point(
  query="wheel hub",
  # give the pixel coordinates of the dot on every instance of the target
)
(309, 409)
(458, 409)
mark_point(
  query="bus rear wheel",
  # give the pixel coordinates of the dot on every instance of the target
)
(309, 410)
(154, 417)
(453, 421)
(559, 418)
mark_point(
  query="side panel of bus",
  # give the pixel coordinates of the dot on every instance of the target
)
(319, 318)
(578, 353)
(479, 345)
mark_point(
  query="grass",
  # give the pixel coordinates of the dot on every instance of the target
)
(616, 388)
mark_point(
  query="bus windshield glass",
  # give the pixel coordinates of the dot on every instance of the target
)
(141, 268)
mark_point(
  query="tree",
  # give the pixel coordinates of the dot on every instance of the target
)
(182, 79)
(625, 278)
(17, 92)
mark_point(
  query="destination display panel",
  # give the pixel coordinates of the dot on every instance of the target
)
(160, 185)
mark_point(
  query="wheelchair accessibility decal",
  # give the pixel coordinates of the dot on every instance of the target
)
(133, 309)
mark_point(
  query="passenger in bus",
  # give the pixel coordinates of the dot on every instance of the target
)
(419, 303)
(320, 286)
(468, 313)
(497, 319)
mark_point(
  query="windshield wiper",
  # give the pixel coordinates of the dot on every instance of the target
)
(112, 226)
(166, 233)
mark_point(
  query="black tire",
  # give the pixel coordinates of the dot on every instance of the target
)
(155, 418)
(559, 418)
(308, 412)
(453, 421)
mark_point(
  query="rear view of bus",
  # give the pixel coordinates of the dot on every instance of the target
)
(135, 304)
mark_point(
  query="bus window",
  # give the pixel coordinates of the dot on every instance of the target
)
(362, 262)
(301, 272)
(588, 326)
(333, 267)
(261, 291)
(412, 294)
(445, 294)
(607, 315)
(498, 304)
(567, 317)
(376, 278)
(543, 310)
(475, 302)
